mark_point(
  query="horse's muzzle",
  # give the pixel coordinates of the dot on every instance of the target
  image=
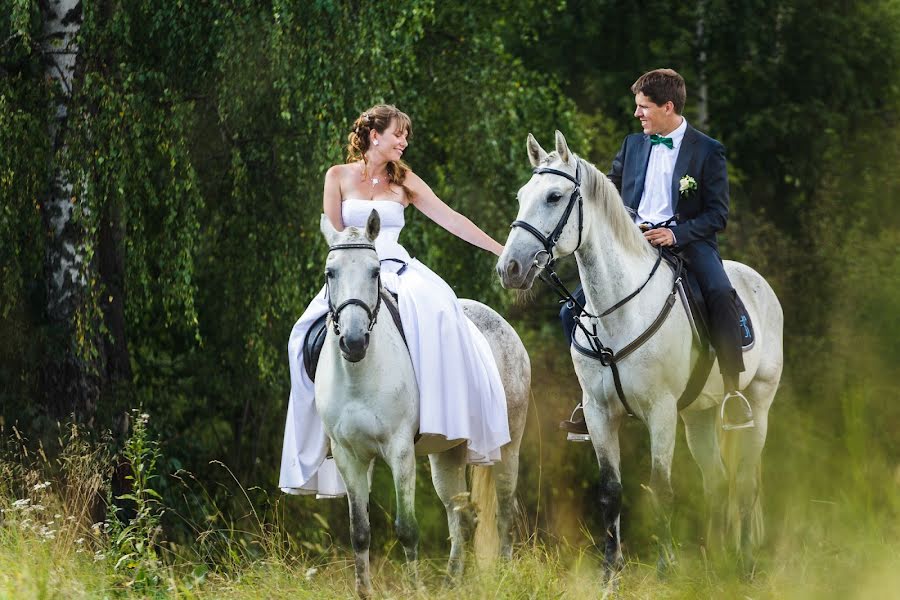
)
(515, 275)
(353, 349)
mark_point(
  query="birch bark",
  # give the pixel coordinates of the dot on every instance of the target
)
(70, 385)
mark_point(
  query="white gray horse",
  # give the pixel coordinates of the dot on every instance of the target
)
(614, 260)
(367, 397)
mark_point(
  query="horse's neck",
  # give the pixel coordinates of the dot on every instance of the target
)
(610, 272)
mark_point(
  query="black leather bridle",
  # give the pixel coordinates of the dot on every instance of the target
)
(335, 313)
(550, 241)
(596, 348)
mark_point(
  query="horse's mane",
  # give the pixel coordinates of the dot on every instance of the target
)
(601, 193)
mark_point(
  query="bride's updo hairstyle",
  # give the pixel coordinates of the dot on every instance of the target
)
(378, 118)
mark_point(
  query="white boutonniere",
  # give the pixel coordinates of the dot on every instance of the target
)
(686, 185)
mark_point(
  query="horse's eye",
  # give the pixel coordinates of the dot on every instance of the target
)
(375, 273)
(554, 197)
(329, 273)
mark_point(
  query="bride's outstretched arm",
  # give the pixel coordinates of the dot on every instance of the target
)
(459, 225)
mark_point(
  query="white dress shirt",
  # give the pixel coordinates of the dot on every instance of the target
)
(656, 201)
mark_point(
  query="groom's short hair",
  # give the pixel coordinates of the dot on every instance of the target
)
(660, 86)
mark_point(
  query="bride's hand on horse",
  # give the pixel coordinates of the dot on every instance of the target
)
(660, 237)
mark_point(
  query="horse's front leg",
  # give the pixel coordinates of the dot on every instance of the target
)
(402, 460)
(603, 425)
(662, 422)
(355, 473)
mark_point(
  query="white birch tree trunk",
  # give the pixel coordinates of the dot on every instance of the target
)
(69, 386)
(62, 20)
(702, 88)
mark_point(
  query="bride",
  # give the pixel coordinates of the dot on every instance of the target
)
(460, 393)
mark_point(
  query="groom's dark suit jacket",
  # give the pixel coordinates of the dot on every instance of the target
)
(700, 214)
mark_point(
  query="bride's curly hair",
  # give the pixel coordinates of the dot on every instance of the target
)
(378, 118)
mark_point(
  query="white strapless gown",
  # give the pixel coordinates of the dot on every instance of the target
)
(460, 392)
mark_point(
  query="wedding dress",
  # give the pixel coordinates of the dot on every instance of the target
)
(460, 392)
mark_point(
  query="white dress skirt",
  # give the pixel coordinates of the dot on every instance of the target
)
(460, 392)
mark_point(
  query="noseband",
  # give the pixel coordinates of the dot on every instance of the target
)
(334, 313)
(550, 241)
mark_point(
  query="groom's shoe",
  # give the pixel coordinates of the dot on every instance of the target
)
(736, 412)
(576, 426)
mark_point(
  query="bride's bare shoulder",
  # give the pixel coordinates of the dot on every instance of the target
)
(342, 170)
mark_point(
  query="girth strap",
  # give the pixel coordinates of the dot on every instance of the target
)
(608, 358)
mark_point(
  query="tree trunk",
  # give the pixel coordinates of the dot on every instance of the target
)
(70, 384)
(702, 88)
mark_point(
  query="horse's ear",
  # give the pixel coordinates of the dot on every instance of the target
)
(373, 225)
(536, 154)
(562, 148)
(327, 229)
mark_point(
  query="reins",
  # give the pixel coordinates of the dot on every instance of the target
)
(596, 348)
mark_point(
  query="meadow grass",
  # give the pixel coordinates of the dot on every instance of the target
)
(841, 545)
(830, 492)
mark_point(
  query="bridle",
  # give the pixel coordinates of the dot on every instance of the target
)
(549, 242)
(335, 313)
(596, 348)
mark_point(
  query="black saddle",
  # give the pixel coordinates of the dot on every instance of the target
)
(699, 314)
(692, 298)
(315, 337)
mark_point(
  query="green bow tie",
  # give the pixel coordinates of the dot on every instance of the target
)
(658, 139)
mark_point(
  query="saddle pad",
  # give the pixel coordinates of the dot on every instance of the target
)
(701, 316)
(315, 337)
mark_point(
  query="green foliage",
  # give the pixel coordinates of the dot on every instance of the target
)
(199, 134)
(24, 154)
(132, 524)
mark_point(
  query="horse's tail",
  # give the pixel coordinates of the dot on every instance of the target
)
(731, 456)
(484, 497)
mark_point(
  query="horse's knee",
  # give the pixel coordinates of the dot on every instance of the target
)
(407, 532)
(360, 538)
(661, 487)
(610, 498)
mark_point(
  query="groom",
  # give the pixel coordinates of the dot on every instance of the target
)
(673, 178)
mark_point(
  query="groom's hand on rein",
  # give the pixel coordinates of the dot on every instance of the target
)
(660, 237)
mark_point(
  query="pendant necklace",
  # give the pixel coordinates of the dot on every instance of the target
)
(375, 181)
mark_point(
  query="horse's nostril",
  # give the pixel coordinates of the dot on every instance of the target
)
(513, 268)
(366, 342)
(342, 344)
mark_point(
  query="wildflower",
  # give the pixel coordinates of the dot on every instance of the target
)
(79, 541)
(98, 556)
(41, 486)
(22, 503)
(311, 572)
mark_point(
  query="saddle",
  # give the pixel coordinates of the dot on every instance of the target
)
(315, 337)
(698, 315)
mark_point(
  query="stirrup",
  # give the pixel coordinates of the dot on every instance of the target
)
(577, 437)
(745, 425)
